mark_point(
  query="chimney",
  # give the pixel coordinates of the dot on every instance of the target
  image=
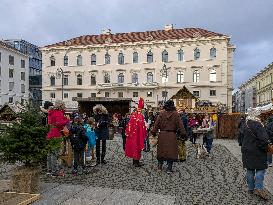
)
(106, 31)
(168, 27)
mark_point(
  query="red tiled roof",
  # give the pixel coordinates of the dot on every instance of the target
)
(137, 37)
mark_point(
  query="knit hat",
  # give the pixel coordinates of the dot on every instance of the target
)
(169, 105)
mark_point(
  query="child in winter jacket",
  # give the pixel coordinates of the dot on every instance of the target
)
(78, 141)
(89, 127)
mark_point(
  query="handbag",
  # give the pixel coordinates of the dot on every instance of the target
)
(269, 146)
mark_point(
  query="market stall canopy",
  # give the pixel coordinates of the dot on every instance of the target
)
(8, 111)
(183, 93)
(184, 99)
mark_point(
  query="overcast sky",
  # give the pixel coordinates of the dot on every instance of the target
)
(249, 22)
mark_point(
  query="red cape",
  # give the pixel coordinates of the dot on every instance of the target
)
(136, 134)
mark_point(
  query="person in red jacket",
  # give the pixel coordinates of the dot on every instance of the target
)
(136, 133)
(56, 123)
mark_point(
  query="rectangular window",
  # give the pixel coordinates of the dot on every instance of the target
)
(149, 94)
(212, 92)
(164, 94)
(65, 95)
(135, 94)
(196, 93)
(120, 94)
(11, 86)
(11, 60)
(23, 76)
(93, 95)
(52, 95)
(107, 94)
(23, 64)
(10, 73)
(23, 88)
(93, 80)
(79, 95)
(65, 80)
(10, 99)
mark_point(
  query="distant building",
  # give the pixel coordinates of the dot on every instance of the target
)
(130, 65)
(14, 75)
(35, 67)
(258, 89)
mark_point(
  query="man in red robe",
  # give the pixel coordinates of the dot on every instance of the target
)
(136, 134)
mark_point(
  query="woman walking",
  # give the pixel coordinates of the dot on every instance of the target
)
(254, 153)
(169, 124)
(102, 131)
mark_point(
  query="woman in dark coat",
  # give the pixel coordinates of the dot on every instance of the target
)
(169, 123)
(102, 131)
(254, 152)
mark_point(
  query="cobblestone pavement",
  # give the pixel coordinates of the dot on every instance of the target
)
(219, 180)
(232, 146)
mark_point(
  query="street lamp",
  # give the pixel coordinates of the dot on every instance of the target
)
(60, 74)
(164, 74)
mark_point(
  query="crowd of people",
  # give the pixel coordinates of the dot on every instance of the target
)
(172, 128)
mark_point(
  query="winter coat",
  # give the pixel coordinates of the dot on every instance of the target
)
(56, 122)
(254, 145)
(169, 123)
(77, 137)
(269, 129)
(91, 135)
(102, 130)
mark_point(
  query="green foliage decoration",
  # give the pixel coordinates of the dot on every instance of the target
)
(25, 140)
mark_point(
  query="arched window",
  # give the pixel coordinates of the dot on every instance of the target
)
(135, 78)
(65, 60)
(150, 77)
(52, 80)
(120, 78)
(79, 60)
(93, 59)
(135, 57)
(196, 76)
(149, 57)
(106, 78)
(213, 53)
(120, 58)
(52, 61)
(79, 79)
(180, 54)
(93, 80)
(180, 77)
(196, 54)
(165, 56)
(107, 58)
(212, 75)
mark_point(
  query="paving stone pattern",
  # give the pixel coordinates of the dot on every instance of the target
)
(219, 180)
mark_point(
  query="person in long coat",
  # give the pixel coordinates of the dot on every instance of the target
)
(102, 131)
(269, 130)
(136, 133)
(169, 124)
(254, 146)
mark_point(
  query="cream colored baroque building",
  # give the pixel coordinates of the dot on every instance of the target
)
(130, 65)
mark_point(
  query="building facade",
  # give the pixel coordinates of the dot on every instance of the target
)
(131, 65)
(14, 75)
(258, 89)
(35, 67)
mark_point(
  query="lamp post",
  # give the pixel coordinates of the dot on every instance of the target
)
(164, 74)
(60, 74)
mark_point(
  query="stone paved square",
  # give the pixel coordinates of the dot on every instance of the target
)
(219, 180)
